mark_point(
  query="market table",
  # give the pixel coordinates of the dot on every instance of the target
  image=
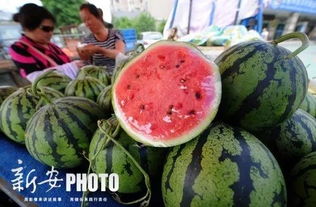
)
(14, 157)
(9, 74)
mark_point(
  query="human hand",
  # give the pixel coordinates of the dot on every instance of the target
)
(91, 49)
(85, 51)
(83, 54)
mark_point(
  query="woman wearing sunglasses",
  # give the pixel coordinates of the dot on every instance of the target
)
(104, 45)
(34, 52)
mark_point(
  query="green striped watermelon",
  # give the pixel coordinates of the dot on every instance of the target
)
(302, 189)
(104, 99)
(98, 72)
(110, 158)
(59, 133)
(167, 95)
(5, 91)
(263, 83)
(225, 166)
(87, 87)
(19, 107)
(296, 137)
(309, 104)
(54, 80)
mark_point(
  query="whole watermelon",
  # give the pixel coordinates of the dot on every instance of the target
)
(104, 99)
(53, 79)
(111, 159)
(225, 166)
(263, 83)
(98, 72)
(19, 107)
(59, 133)
(302, 188)
(87, 87)
(296, 137)
(309, 104)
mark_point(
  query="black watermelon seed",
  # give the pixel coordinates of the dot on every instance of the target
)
(192, 112)
(198, 95)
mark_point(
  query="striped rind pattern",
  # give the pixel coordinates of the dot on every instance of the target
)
(88, 87)
(98, 72)
(261, 87)
(309, 104)
(111, 159)
(302, 188)
(104, 99)
(54, 80)
(18, 108)
(225, 166)
(59, 133)
(296, 137)
(15, 111)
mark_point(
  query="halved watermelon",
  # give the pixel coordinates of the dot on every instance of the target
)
(167, 95)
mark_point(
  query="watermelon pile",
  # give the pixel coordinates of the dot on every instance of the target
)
(179, 128)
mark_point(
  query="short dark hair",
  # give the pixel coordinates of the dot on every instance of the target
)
(97, 12)
(31, 15)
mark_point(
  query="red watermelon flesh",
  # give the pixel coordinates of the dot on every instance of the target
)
(167, 95)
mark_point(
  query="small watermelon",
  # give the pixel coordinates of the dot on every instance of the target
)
(59, 133)
(302, 188)
(167, 95)
(98, 72)
(87, 87)
(104, 99)
(19, 107)
(5, 91)
(53, 79)
(111, 159)
(296, 137)
(309, 104)
(263, 83)
(224, 166)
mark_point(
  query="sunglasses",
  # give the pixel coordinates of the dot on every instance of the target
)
(46, 28)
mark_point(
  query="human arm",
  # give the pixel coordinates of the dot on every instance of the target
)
(87, 51)
(112, 53)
